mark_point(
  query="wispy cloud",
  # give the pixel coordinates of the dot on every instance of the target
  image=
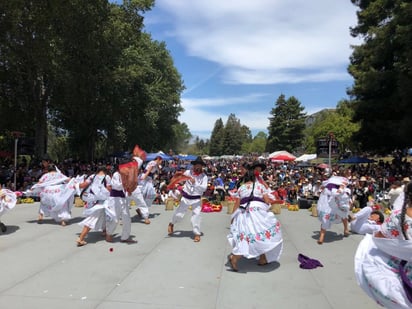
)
(249, 48)
(266, 41)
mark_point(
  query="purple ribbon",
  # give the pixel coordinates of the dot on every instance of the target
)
(117, 193)
(190, 197)
(249, 199)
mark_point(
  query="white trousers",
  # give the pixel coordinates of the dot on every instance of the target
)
(138, 198)
(121, 208)
(181, 210)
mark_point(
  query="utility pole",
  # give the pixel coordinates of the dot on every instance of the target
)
(16, 135)
(331, 138)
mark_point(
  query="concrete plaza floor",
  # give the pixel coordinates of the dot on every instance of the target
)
(41, 266)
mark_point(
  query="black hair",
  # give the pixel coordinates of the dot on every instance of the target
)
(406, 202)
(101, 168)
(380, 214)
(51, 168)
(249, 176)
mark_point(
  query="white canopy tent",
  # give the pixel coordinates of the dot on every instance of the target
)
(306, 157)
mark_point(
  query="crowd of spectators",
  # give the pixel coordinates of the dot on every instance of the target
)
(288, 181)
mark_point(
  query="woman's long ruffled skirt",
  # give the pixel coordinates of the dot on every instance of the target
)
(254, 232)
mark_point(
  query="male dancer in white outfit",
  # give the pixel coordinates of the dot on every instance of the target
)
(136, 195)
(118, 200)
(147, 188)
(192, 192)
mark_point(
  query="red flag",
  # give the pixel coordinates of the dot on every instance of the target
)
(128, 173)
(177, 177)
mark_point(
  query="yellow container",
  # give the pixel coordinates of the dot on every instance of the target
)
(230, 206)
(276, 208)
(78, 202)
(170, 204)
(314, 210)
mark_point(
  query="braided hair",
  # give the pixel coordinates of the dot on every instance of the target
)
(406, 203)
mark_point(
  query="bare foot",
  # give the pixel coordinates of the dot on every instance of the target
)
(170, 229)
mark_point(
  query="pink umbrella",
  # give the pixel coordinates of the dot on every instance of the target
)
(323, 165)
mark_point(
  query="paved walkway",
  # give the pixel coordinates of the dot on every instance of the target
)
(42, 267)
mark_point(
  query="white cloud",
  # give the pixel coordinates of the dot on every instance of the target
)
(267, 41)
(202, 114)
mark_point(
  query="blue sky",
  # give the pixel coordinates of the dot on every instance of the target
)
(238, 56)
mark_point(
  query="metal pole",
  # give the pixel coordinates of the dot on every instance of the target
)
(15, 163)
(330, 151)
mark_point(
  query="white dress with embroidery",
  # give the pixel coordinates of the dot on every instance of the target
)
(56, 192)
(377, 263)
(333, 205)
(255, 230)
(8, 200)
(146, 185)
(98, 210)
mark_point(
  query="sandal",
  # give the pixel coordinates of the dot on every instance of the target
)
(196, 238)
(109, 238)
(81, 243)
(232, 264)
(146, 221)
(170, 229)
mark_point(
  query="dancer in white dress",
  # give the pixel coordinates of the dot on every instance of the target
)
(96, 192)
(254, 232)
(383, 261)
(8, 200)
(56, 192)
(366, 221)
(333, 205)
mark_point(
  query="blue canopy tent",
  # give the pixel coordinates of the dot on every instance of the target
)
(356, 160)
(153, 155)
(187, 157)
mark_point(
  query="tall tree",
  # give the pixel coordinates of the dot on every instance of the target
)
(255, 145)
(27, 67)
(286, 125)
(381, 68)
(339, 122)
(87, 68)
(216, 139)
(234, 135)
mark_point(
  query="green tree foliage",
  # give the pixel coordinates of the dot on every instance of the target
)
(234, 135)
(381, 68)
(256, 145)
(228, 139)
(179, 139)
(286, 125)
(88, 69)
(216, 139)
(27, 67)
(339, 122)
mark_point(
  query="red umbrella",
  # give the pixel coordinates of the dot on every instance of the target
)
(323, 165)
(283, 157)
